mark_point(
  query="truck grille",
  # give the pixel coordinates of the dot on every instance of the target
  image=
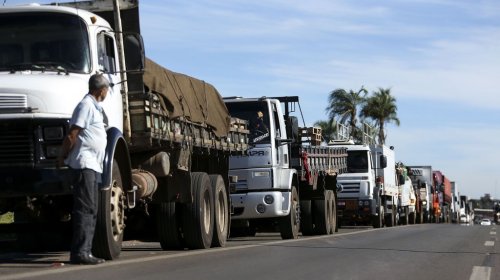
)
(349, 190)
(9, 101)
(16, 144)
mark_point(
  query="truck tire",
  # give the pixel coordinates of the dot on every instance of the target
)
(198, 218)
(412, 218)
(306, 218)
(321, 216)
(168, 225)
(110, 218)
(389, 219)
(404, 220)
(221, 211)
(378, 221)
(333, 213)
(289, 225)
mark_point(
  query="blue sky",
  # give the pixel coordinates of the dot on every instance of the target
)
(441, 59)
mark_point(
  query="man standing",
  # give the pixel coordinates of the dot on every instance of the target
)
(83, 151)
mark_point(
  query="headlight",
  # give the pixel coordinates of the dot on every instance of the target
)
(367, 203)
(53, 133)
(424, 202)
(269, 199)
(360, 203)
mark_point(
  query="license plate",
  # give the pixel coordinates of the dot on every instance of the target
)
(351, 205)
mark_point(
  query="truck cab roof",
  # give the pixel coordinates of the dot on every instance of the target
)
(88, 17)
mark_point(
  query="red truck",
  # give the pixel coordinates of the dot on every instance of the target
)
(442, 199)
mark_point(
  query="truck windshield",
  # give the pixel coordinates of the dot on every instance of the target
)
(257, 115)
(43, 42)
(357, 161)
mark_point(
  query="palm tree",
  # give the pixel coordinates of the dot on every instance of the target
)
(381, 107)
(344, 105)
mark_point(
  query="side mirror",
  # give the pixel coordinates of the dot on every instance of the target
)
(383, 161)
(340, 188)
(134, 52)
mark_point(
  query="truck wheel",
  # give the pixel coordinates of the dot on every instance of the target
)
(321, 216)
(378, 221)
(289, 226)
(333, 213)
(110, 218)
(329, 197)
(198, 220)
(306, 218)
(168, 226)
(407, 218)
(221, 211)
(389, 219)
(412, 218)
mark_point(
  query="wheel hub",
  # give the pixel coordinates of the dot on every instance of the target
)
(117, 210)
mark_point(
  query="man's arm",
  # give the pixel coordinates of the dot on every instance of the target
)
(68, 144)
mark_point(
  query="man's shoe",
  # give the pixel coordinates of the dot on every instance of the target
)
(86, 259)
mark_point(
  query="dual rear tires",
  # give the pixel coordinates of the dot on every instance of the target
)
(319, 217)
(198, 225)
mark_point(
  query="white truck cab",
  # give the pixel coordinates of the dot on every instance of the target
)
(264, 175)
(369, 192)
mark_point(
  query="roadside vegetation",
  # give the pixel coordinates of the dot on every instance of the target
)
(362, 113)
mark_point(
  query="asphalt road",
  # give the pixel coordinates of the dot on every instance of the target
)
(430, 251)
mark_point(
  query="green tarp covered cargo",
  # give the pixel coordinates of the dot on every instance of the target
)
(188, 97)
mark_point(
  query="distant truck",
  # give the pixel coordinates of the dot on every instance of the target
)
(422, 181)
(286, 180)
(464, 210)
(369, 193)
(444, 198)
(455, 203)
(407, 197)
(170, 136)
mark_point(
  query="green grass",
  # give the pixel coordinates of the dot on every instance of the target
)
(7, 218)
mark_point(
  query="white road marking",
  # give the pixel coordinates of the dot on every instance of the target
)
(493, 232)
(480, 273)
(489, 243)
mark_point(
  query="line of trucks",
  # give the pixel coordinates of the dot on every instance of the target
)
(180, 160)
(183, 165)
(376, 190)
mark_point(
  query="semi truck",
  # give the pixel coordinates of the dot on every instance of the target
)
(169, 135)
(287, 180)
(455, 204)
(443, 200)
(423, 185)
(407, 197)
(369, 192)
(464, 212)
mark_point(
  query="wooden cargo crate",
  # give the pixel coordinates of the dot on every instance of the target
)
(313, 135)
(151, 126)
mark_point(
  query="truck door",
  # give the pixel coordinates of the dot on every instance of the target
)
(107, 60)
(280, 149)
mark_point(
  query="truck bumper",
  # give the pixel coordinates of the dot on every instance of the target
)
(356, 211)
(256, 205)
(21, 182)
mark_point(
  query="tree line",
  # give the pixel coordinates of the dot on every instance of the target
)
(374, 111)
